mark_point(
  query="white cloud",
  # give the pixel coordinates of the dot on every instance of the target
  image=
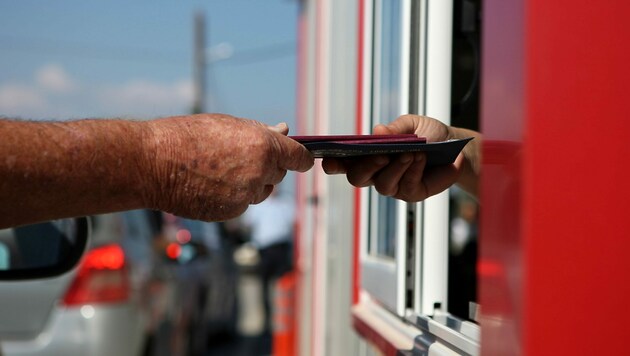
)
(142, 97)
(53, 94)
(14, 98)
(55, 79)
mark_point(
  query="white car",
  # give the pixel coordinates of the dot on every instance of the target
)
(121, 299)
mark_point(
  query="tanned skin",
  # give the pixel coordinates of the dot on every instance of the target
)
(208, 166)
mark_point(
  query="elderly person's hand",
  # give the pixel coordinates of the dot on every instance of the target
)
(405, 176)
(208, 166)
(212, 166)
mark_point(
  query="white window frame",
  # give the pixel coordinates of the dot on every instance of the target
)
(383, 278)
(434, 100)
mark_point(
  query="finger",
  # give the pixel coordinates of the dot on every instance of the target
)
(225, 212)
(333, 166)
(292, 155)
(277, 176)
(360, 171)
(410, 187)
(440, 178)
(387, 180)
(262, 194)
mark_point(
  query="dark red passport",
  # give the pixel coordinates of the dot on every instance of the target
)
(360, 138)
(339, 146)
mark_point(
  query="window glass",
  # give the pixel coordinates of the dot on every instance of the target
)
(387, 108)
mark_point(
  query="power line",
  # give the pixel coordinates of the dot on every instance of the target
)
(83, 50)
(39, 45)
(262, 53)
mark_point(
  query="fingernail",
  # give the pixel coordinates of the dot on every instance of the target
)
(418, 157)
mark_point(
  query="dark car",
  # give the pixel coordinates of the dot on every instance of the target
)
(211, 275)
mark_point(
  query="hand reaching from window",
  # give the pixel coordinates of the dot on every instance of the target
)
(405, 176)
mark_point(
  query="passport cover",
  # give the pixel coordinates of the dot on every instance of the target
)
(343, 146)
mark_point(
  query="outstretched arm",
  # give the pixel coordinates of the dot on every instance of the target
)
(207, 166)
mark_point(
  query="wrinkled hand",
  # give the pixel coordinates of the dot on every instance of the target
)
(212, 166)
(401, 176)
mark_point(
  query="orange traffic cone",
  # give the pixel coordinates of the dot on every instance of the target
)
(284, 316)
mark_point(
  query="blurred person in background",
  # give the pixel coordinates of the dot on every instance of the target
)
(271, 227)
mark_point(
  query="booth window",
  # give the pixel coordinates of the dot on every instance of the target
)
(387, 49)
(418, 260)
(386, 108)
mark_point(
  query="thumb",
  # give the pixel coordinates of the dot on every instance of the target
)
(405, 124)
(280, 128)
(293, 155)
(381, 129)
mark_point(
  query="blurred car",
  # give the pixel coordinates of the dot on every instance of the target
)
(35, 264)
(123, 299)
(214, 273)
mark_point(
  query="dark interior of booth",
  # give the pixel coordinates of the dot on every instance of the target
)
(464, 209)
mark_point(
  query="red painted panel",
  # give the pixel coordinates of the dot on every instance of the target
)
(356, 272)
(554, 195)
(501, 209)
(576, 195)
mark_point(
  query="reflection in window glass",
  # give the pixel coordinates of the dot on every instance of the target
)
(387, 104)
(5, 257)
(42, 245)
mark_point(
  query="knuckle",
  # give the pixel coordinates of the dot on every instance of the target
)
(258, 144)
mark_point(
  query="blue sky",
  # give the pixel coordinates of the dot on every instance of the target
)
(74, 59)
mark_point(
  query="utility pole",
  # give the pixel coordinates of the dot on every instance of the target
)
(199, 70)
